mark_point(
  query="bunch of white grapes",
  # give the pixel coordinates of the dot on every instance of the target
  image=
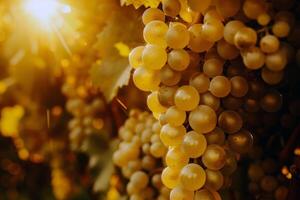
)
(139, 157)
(266, 180)
(86, 107)
(208, 81)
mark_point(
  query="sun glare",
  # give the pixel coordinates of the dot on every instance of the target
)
(42, 10)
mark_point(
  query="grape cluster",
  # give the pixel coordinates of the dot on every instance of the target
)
(139, 157)
(211, 79)
(266, 180)
(86, 107)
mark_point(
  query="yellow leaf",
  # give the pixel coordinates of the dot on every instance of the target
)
(123, 49)
(10, 118)
(139, 3)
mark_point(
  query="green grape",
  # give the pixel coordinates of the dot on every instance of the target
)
(271, 102)
(213, 30)
(186, 98)
(269, 44)
(276, 61)
(281, 28)
(254, 8)
(241, 142)
(149, 163)
(194, 144)
(168, 76)
(228, 8)
(271, 77)
(245, 37)
(135, 57)
(253, 58)
(155, 32)
(216, 136)
(152, 14)
(170, 177)
(199, 7)
(263, 19)
(175, 116)
(171, 7)
(180, 193)
(166, 95)
(230, 164)
(177, 36)
(230, 121)
(139, 179)
(226, 50)
(203, 119)
(204, 194)
(154, 57)
(154, 104)
(178, 59)
(213, 67)
(200, 81)
(158, 150)
(214, 179)
(210, 100)
(176, 158)
(192, 177)
(146, 79)
(172, 136)
(220, 86)
(239, 86)
(214, 157)
(198, 42)
(230, 29)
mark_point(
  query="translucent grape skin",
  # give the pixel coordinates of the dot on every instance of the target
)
(214, 157)
(230, 29)
(177, 36)
(269, 44)
(152, 14)
(146, 79)
(213, 67)
(216, 136)
(176, 158)
(194, 144)
(199, 7)
(200, 81)
(203, 119)
(135, 57)
(230, 121)
(170, 177)
(171, 7)
(154, 57)
(198, 43)
(220, 86)
(180, 193)
(172, 136)
(186, 98)
(192, 177)
(155, 32)
(214, 179)
(168, 76)
(245, 38)
(178, 59)
(175, 116)
(240, 142)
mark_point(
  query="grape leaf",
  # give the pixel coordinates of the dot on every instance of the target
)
(113, 45)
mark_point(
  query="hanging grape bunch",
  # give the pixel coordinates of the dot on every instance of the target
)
(139, 157)
(209, 78)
